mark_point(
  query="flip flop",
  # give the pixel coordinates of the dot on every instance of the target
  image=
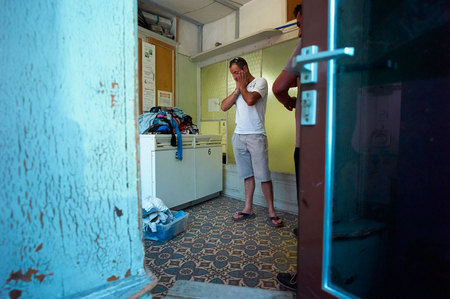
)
(244, 216)
(271, 219)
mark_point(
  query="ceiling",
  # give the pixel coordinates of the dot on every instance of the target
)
(198, 12)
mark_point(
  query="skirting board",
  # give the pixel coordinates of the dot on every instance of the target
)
(195, 202)
(196, 289)
(284, 189)
(136, 286)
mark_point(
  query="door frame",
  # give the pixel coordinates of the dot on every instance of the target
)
(313, 144)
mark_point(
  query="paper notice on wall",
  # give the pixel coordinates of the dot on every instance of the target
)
(165, 98)
(213, 105)
(148, 76)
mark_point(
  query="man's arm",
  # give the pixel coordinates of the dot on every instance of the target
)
(230, 100)
(281, 87)
(251, 98)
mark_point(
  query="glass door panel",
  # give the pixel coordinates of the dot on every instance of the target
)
(389, 196)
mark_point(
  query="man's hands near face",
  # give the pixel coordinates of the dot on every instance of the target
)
(241, 80)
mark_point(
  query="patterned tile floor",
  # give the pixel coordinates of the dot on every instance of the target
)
(216, 249)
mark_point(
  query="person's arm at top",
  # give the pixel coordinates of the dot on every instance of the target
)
(280, 89)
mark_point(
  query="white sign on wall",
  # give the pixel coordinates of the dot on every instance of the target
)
(213, 105)
(148, 76)
(165, 98)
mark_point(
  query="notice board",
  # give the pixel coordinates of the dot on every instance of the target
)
(164, 73)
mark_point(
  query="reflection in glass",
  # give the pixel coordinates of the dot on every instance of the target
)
(390, 212)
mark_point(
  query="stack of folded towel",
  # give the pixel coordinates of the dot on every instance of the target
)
(154, 212)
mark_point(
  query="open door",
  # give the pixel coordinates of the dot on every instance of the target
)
(374, 199)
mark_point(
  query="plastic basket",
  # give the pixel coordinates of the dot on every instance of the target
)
(166, 232)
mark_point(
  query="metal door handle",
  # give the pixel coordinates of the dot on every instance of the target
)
(311, 55)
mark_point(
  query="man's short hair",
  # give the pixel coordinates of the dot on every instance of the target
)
(239, 61)
(297, 9)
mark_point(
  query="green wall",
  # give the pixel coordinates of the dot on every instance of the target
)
(213, 85)
(280, 123)
(217, 82)
(187, 86)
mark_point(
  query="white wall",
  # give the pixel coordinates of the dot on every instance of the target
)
(188, 38)
(222, 30)
(284, 189)
(254, 16)
(257, 15)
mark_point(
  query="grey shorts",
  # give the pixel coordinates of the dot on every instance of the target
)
(251, 154)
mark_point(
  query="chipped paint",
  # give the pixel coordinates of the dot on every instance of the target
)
(19, 276)
(118, 211)
(14, 294)
(39, 247)
(69, 151)
(41, 218)
(27, 276)
(112, 278)
(112, 100)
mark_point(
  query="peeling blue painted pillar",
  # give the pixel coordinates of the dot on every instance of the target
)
(69, 215)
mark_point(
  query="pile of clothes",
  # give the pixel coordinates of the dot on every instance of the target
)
(166, 121)
(174, 121)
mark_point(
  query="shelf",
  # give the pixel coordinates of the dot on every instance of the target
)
(240, 42)
(148, 33)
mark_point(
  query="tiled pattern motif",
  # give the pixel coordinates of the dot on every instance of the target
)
(216, 249)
